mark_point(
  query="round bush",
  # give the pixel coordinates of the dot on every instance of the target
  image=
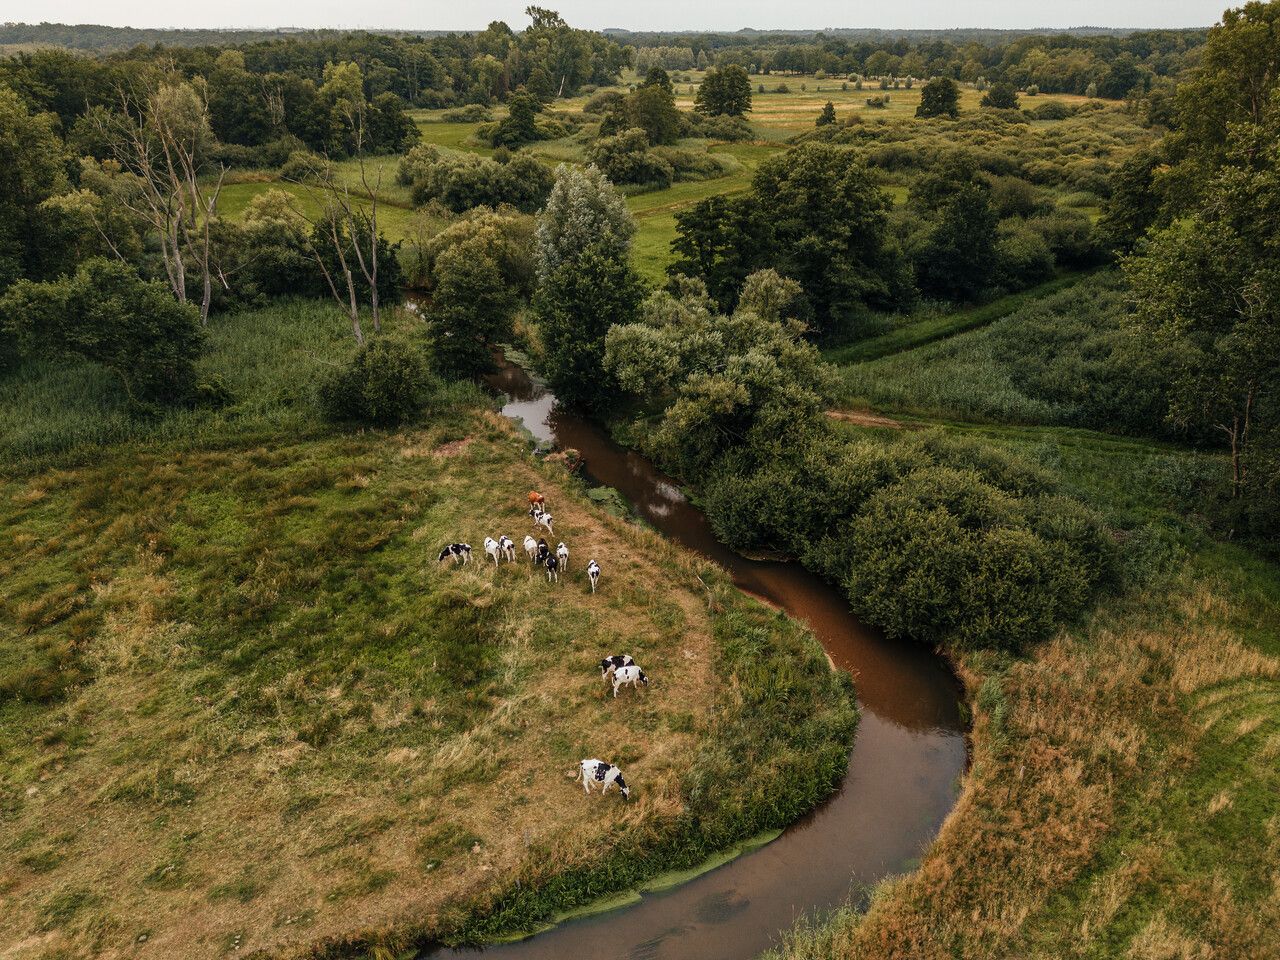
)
(384, 383)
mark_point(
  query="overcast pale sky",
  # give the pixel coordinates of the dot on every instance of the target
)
(636, 15)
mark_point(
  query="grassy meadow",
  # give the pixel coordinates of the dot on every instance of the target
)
(258, 715)
(775, 119)
(1124, 797)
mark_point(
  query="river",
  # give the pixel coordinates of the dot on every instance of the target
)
(904, 771)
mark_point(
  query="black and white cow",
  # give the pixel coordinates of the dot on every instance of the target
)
(562, 554)
(544, 520)
(593, 574)
(459, 552)
(553, 568)
(591, 772)
(535, 511)
(492, 549)
(628, 675)
(508, 548)
(531, 549)
(610, 664)
(544, 551)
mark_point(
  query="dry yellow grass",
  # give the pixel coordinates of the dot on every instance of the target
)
(179, 803)
(1120, 780)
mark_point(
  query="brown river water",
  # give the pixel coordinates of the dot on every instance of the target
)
(904, 772)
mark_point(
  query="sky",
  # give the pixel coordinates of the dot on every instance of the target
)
(635, 15)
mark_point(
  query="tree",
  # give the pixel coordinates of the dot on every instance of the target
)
(745, 382)
(827, 227)
(107, 314)
(32, 169)
(719, 240)
(724, 91)
(384, 383)
(163, 138)
(575, 308)
(1135, 203)
(956, 256)
(652, 108)
(940, 97)
(1210, 288)
(520, 125)
(471, 310)
(583, 211)
(1001, 96)
(827, 117)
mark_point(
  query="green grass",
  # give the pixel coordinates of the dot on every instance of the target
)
(938, 324)
(270, 360)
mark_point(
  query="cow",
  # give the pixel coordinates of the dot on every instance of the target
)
(544, 551)
(593, 574)
(531, 549)
(553, 569)
(492, 549)
(610, 664)
(460, 552)
(544, 520)
(537, 500)
(630, 674)
(508, 548)
(606, 774)
(562, 554)
(535, 511)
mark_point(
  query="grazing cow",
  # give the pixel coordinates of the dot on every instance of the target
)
(492, 549)
(606, 774)
(508, 548)
(544, 520)
(610, 664)
(631, 674)
(593, 574)
(562, 554)
(553, 569)
(531, 548)
(535, 512)
(543, 550)
(537, 500)
(460, 552)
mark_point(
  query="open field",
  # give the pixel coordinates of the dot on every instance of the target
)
(266, 719)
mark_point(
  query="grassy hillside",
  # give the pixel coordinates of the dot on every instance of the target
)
(242, 708)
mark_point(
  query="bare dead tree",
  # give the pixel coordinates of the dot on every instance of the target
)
(159, 136)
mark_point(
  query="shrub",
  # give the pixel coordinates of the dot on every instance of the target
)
(1051, 110)
(1024, 257)
(303, 166)
(627, 159)
(471, 113)
(384, 383)
(726, 128)
(603, 102)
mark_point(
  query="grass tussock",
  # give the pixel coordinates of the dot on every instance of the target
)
(244, 710)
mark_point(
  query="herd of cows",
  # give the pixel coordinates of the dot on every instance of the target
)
(620, 668)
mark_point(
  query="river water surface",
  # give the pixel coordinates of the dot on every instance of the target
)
(903, 774)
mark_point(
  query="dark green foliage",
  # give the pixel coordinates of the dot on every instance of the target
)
(827, 228)
(1001, 96)
(717, 240)
(107, 314)
(651, 107)
(462, 182)
(471, 310)
(520, 126)
(384, 383)
(955, 257)
(575, 307)
(626, 158)
(1135, 203)
(724, 91)
(827, 117)
(32, 168)
(940, 97)
(389, 270)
